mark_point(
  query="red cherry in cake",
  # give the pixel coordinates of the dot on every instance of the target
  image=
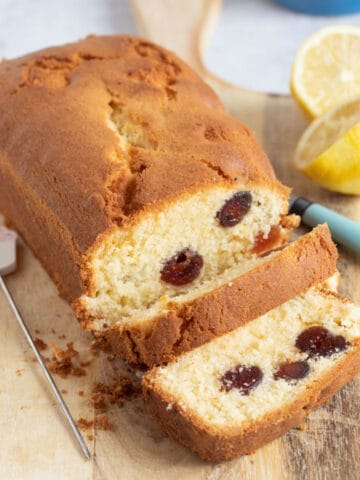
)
(292, 371)
(263, 245)
(241, 377)
(318, 341)
(182, 268)
(234, 209)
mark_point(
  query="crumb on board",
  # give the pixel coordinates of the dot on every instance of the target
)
(90, 437)
(62, 337)
(98, 401)
(84, 424)
(66, 361)
(115, 393)
(302, 427)
(85, 363)
(64, 391)
(100, 345)
(19, 372)
(37, 331)
(40, 344)
(61, 362)
(102, 423)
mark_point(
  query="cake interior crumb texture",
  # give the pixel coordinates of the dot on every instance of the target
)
(192, 381)
(127, 264)
(126, 284)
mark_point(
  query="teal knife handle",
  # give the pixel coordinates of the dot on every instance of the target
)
(343, 230)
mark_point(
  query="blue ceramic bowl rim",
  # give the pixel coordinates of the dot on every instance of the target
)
(322, 7)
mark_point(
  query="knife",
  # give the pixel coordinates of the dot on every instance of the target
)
(343, 230)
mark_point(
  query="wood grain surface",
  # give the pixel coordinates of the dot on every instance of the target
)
(35, 442)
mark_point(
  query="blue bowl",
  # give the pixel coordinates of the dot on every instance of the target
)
(322, 7)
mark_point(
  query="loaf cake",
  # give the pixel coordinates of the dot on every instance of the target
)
(124, 174)
(248, 387)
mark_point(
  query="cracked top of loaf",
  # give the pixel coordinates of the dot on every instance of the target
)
(117, 125)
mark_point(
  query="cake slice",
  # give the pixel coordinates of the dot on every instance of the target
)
(244, 389)
(245, 292)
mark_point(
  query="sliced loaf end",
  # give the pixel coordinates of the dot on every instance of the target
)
(196, 402)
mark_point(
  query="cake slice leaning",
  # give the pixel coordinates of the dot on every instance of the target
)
(251, 289)
(244, 389)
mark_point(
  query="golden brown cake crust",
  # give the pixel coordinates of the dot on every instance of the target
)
(61, 161)
(310, 260)
(216, 446)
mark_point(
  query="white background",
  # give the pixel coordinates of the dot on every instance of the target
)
(253, 44)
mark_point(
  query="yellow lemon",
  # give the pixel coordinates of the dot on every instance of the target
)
(326, 69)
(329, 150)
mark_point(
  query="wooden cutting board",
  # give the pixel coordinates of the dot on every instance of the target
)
(36, 444)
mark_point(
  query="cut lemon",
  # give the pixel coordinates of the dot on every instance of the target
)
(326, 69)
(329, 150)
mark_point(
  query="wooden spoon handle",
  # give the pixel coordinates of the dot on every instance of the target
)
(182, 26)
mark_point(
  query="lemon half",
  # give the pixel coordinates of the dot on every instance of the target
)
(326, 69)
(329, 150)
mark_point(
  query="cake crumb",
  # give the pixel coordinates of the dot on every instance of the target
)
(102, 422)
(121, 389)
(37, 331)
(84, 424)
(302, 427)
(90, 437)
(61, 362)
(40, 344)
(78, 372)
(64, 391)
(62, 337)
(98, 401)
(85, 363)
(100, 345)
(19, 372)
(81, 393)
